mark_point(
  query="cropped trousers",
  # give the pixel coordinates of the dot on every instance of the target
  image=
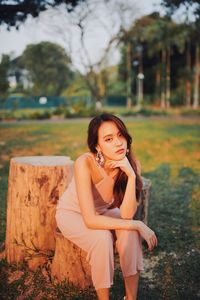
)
(99, 246)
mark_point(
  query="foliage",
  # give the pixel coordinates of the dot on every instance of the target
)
(15, 12)
(48, 67)
(41, 115)
(161, 48)
(4, 68)
(173, 5)
(164, 51)
(79, 110)
(177, 98)
(77, 87)
(145, 112)
(190, 112)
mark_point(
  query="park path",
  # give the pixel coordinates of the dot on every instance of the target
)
(128, 118)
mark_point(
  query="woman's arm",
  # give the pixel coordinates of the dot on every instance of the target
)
(94, 221)
(86, 201)
(129, 204)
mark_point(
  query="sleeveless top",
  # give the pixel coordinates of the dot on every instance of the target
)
(102, 192)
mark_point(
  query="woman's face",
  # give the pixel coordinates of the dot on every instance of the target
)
(111, 142)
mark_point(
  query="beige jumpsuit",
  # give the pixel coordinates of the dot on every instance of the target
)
(99, 243)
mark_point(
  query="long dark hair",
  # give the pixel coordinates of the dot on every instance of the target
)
(92, 141)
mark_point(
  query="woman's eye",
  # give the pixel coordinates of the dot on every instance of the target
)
(108, 140)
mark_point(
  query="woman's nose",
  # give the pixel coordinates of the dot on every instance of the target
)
(118, 142)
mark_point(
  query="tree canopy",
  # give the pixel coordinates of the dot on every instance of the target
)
(48, 68)
(15, 12)
(172, 5)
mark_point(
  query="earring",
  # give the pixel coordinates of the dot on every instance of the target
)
(127, 151)
(100, 159)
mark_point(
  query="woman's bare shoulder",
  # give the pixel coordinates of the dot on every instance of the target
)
(83, 160)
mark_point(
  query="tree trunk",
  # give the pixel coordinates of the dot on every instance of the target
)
(142, 210)
(69, 263)
(196, 78)
(158, 81)
(168, 76)
(163, 79)
(188, 81)
(129, 78)
(35, 184)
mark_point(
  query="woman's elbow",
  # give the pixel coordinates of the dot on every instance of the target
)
(89, 221)
(128, 215)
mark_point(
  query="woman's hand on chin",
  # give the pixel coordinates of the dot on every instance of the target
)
(124, 165)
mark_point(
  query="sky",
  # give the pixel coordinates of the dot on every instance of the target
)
(36, 30)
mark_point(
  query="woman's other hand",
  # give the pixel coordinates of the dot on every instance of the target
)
(148, 235)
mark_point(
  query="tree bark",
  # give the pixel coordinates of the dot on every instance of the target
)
(196, 78)
(69, 263)
(35, 184)
(157, 81)
(129, 78)
(142, 211)
(163, 79)
(188, 68)
(168, 76)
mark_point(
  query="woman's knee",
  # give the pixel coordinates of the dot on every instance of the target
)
(102, 247)
(104, 237)
(126, 239)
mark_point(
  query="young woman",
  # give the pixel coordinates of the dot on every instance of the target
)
(102, 198)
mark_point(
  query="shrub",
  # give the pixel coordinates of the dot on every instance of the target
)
(41, 115)
(144, 112)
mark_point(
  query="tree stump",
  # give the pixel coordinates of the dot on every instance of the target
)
(35, 184)
(69, 263)
(142, 211)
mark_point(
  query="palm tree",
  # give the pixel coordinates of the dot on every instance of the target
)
(162, 35)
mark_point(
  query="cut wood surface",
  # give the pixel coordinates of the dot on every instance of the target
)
(35, 184)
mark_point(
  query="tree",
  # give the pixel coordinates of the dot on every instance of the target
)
(14, 12)
(4, 68)
(86, 19)
(162, 57)
(165, 34)
(171, 7)
(48, 67)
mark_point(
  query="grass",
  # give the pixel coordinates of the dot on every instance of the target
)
(170, 157)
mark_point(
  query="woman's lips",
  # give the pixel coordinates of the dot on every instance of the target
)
(120, 151)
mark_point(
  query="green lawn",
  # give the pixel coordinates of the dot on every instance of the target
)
(169, 153)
